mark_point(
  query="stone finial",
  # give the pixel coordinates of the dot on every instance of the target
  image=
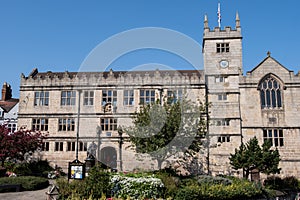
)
(237, 20)
(205, 22)
(269, 54)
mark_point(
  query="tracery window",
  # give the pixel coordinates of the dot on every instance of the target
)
(270, 93)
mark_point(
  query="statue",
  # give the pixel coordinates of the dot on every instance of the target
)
(91, 151)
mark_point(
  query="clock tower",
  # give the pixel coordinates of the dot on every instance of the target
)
(222, 49)
(222, 55)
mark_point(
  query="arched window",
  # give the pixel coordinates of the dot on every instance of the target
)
(270, 93)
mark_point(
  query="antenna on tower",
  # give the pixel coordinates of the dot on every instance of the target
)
(219, 14)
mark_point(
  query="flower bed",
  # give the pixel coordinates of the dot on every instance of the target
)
(147, 187)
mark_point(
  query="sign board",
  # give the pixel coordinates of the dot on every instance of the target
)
(76, 170)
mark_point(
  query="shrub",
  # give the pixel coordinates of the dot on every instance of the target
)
(40, 167)
(27, 182)
(98, 182)
(211, 180)
(95, 186)
(171, 184)
(22, 169)
(277, 183)
(188, 193)
(238, 189)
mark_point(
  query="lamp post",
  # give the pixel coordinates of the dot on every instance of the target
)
(78, 120)
(120, 132)
(99, 132)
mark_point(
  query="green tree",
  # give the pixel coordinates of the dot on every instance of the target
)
(163, 129)
(251, 156)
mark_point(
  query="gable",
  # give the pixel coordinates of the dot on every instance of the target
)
(9, 104)
(269, 66)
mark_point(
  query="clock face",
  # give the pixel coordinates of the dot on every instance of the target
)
(224, 63)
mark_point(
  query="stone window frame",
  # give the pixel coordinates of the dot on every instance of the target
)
(271, 92)
(66, 124)
(147, 96)
(109, 96)
(222, 122)
(59, 146)
(40, 124)
(174, 95)
(222, 97)
(82, 146)
(41, 98)
(68, 98)
(221, 79)
(275, 136)
(71, 146)
(45, 146)
(223, 138)
(222, 47)
(128, 97)
(109, 124)
(88, 97)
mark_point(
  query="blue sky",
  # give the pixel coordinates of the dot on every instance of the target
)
(58, 35)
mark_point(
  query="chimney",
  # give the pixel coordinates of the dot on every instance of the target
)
(6, 92)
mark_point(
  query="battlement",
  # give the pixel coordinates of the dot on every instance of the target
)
(218, 33)
(114, 78)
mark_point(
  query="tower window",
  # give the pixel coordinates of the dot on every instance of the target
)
(270, 93)
(222, 139)
(222, 47)
(221, 79)
(222, 97)
(222, 122)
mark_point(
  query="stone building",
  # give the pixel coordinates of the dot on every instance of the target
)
(263, 103)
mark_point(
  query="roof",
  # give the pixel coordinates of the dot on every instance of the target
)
(116, 74)
(8, 104)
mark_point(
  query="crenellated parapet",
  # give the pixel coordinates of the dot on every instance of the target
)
(112, 78)
(218, 33)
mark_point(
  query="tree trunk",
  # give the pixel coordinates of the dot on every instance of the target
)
(159, 163)
(246, 173)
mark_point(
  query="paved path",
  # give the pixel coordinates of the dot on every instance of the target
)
(26, 195)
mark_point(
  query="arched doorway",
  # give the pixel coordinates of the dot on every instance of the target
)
(109, 157)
